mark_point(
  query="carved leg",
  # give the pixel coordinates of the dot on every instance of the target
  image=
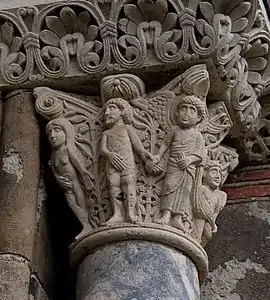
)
(129, 189)
(165, 217)
(198, 228)
(178, 222)
(188, 225)
(206, 234)
(79, 195)
(81, 214)
(117, 205)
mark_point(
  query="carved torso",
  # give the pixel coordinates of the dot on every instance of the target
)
(118, 141)
(213, 201)
(62, 164)
(183, 144)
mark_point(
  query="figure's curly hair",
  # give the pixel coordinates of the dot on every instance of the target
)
(209, 164)
(124, 106)
(197, 102)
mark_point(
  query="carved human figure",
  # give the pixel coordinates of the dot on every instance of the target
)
(117, 145)
(210, 202)
(187, 149)
(68, 168)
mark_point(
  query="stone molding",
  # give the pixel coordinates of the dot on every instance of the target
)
(15, 257)
(146, 232)
(84, 37)
(248, 185)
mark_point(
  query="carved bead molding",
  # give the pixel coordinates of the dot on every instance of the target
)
(89, 37)
(142, 166)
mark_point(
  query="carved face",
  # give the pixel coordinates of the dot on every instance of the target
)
(187, 115)
(213, 177)
(111, 115)
(57, 136)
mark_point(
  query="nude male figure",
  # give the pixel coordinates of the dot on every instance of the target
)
(117, 145)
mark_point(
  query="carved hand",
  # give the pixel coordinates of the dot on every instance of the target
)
(116, 161)
(153, 165)
(147, 155)
(183, 163)
(158, 169)
(64, 182)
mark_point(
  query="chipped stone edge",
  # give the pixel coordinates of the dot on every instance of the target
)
(15, 257)
(12, 163)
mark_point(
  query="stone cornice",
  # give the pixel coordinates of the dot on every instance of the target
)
(85, 40)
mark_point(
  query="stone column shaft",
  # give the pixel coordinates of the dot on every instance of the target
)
(19, 176)
(137, 270)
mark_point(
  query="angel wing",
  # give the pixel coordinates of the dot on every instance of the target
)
(158, 107)
(217, 126)
(150, 118)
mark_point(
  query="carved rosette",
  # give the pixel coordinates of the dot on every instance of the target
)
(107, 158)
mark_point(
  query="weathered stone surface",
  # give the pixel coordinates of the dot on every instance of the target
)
(36, 291)
(239, 254)
(137, 270)
(14, 277)
(42, 262)
(19, 175)
(78, 38)
(7, 4)
(78, 41)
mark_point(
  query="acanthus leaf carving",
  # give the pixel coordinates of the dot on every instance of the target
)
(81, 36)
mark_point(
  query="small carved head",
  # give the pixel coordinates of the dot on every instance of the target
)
(190, 111)
(59, 131)
(212, 175)
(116, 109)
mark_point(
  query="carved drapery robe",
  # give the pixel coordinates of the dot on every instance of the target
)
(178, 184)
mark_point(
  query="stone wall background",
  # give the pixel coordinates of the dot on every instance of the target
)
(239, 254)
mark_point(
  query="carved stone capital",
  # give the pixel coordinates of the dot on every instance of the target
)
(141, 166)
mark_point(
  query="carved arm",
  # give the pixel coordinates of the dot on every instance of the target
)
(114, 158)
(166, 144)
(103, 145)
(220, 205)
(137, 144)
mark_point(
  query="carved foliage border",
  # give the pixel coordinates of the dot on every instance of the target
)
(36, 44)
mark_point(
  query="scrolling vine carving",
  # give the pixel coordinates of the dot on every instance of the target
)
(84, 37)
